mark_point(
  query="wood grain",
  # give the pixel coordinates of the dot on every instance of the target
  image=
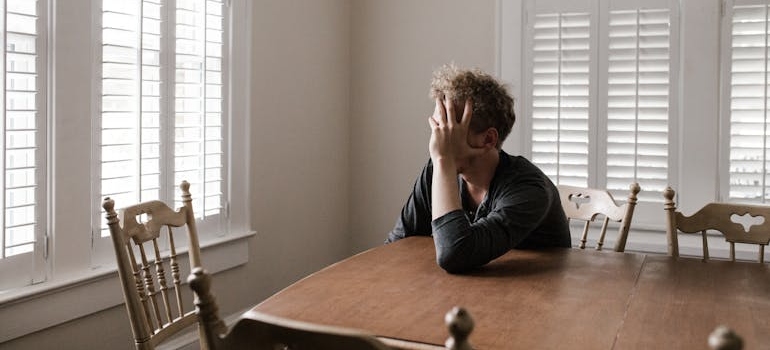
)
(678, 302)
(524, 299)
(551, 299)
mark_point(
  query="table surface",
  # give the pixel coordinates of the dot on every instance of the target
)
(545, 299)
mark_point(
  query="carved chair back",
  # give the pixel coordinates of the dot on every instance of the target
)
(149, 268)
(738, 223)
(589, 204)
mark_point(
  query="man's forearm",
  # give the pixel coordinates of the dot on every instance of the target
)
(445, 194)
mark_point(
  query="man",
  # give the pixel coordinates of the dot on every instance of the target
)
(477, 201)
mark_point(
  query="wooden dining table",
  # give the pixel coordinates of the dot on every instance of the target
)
(536, 299)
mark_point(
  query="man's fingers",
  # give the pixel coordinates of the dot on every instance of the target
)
(450, 111)
(432, 123)
(467, 112)
(439, 114)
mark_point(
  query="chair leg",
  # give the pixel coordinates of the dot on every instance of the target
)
(584, 237)
(600, 242)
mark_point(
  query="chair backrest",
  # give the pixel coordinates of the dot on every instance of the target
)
(148, 267)
(738, 223)
(255, 330)
(588, 204)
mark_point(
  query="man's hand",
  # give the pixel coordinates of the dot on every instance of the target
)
(449, 137)
(450, 152)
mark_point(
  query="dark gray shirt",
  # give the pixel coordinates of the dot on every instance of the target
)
(521, 210)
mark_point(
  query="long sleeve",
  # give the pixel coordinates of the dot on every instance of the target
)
(415, 216)
(517, 212)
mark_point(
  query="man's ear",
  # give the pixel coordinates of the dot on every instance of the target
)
(491, 138)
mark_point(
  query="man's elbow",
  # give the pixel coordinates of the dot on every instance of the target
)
(453, 260)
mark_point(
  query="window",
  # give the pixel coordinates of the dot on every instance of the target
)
(22, 248)
(99, 84)
(746, 88)
(154, 110)
(162, 104)
(600, 84)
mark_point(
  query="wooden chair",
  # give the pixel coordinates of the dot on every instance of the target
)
(151, 277)
(255, 330)
(751, 229)
(587, 204)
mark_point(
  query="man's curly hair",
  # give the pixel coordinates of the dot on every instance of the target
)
(492, 105)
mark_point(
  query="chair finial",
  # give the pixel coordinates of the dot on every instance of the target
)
(108, 204)
(208, 311)
(109, 207)
(460, 325)
(668, 194)
(186, 196)
(199, 281)
(723, 338)
(634, 187)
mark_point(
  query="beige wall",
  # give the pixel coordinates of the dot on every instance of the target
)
(300, 138)
(396, 46)
(338, 134)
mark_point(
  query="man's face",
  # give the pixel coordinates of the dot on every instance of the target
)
(474, 140)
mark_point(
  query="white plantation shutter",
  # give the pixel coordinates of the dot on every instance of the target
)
(162, 103)
(601, 92)
(22, 248)
(638, 86)
(561, 69)
(747, 84)
(131, 100)
(199, 105)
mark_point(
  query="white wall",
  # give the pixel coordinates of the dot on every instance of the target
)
(396, 45)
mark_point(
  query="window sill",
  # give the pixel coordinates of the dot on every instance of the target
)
(97, 290)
